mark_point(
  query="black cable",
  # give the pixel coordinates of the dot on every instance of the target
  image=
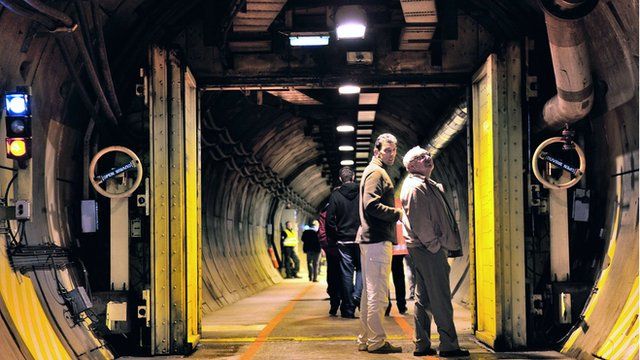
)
(7, 168)
(104, 61)
(51, 12)
(19, 9)
(14, 242)
(6, 193)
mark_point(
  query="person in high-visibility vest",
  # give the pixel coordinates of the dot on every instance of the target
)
(289, 246)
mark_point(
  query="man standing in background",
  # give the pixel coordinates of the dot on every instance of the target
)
(342, 225)
(311, 247)
(289, 250)
(333, 263)
(378, 218)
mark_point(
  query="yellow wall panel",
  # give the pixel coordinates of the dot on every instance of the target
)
(27, 315)
(622, 342)
(193, 208)
(484, 203)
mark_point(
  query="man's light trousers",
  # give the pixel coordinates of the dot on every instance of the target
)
(376, 266)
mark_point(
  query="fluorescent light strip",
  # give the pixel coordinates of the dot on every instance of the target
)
(346, 162)
(309, 40)
(349, 89)
(345, 128)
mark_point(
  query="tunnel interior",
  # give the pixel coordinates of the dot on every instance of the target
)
(269, 151)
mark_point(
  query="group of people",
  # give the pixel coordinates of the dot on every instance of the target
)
(311, 247)
(431, 235)
(357, 231)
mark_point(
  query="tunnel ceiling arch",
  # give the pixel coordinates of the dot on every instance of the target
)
(256, 87)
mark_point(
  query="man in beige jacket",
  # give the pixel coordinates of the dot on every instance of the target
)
(431, 234)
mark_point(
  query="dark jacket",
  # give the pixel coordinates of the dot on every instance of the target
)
(310, 243)
(322, 228)
(378, 216)
(342, 214)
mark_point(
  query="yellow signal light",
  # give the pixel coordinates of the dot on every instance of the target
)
(16, 148)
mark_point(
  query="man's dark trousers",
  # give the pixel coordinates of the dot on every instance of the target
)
(351, 291)
(291, 261)
(433, 298)
(334, 282)
(397, 271)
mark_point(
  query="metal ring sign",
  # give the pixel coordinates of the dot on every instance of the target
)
(133, 165)
(540, 154)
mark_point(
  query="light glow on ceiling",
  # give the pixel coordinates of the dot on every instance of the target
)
(368, 98)
(351, 31)
(366, 115)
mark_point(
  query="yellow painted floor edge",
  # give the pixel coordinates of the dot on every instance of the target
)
(293, 338)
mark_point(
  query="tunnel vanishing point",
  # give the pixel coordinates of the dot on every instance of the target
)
(155, 148)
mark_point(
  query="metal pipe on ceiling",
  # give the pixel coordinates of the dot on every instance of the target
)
(571, 65)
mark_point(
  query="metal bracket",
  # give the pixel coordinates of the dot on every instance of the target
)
(27, 258)
(7, 212)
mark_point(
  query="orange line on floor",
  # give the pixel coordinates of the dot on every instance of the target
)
(404, 325)
(262, 337)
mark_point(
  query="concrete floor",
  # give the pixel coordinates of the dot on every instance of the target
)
(291, 321)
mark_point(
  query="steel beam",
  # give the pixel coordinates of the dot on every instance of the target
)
(365, 80)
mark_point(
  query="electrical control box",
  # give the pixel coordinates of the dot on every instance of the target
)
(89, 215)
(23, 210)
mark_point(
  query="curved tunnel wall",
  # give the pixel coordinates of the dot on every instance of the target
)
(234, 250)
(238, 220)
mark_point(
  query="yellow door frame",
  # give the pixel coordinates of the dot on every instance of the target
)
(496, 205)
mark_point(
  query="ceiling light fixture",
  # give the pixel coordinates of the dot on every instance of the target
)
(351, 21)
(345, 148)
(349, 89)
(309, 39)
(345, 128)
(346, 162)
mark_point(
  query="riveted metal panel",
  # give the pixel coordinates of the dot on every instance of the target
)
(177, 206)
(159, 202)
(515, 199)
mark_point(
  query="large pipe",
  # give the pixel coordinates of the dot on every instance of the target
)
(570, 58)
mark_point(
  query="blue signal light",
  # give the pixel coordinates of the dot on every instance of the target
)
(17, 104)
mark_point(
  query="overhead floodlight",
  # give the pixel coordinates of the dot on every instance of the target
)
(351, 22)
(345, 148)
(345, 128)
(346, 162)
(349, 89)
(308, 40)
